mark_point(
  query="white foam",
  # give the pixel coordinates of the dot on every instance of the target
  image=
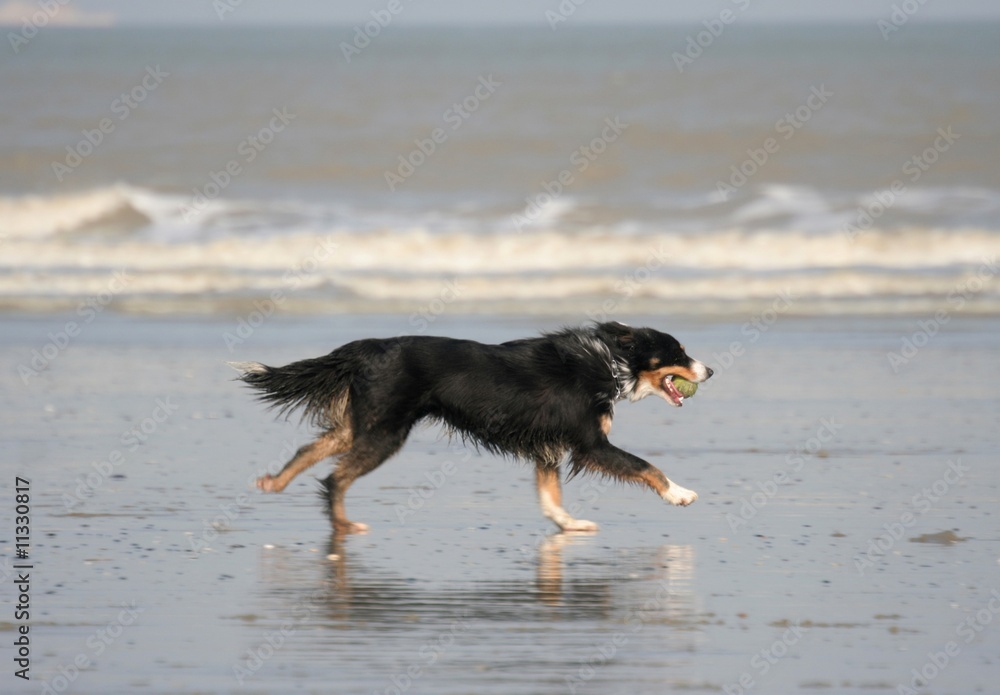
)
(546, 210)
(36, 216)
(236, 247)
(779, 200)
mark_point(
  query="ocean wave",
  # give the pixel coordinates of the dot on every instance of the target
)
(419, 250)
(36, 216)
(59, 248)
(173, 216)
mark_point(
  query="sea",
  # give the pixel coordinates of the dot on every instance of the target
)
(715, 169)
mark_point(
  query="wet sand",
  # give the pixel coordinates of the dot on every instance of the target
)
(845, 540)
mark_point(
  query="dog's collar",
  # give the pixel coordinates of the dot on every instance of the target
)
(620, 384)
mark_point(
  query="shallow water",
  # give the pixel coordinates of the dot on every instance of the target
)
(794, 571)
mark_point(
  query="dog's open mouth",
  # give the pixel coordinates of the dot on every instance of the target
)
(673, 395)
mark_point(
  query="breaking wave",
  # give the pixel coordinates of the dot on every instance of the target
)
(57, 249)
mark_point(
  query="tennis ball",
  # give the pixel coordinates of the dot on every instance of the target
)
(687, 388)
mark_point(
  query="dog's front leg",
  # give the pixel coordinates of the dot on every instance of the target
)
(607, 459)
(666, 488)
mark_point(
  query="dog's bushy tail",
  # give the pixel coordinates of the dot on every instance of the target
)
(318, 387)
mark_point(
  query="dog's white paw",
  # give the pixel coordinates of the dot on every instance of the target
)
(268, 483)
(578, 526)
(680, 496)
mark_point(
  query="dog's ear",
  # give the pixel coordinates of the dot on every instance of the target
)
(623, 335)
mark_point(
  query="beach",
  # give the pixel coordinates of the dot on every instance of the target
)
(812, 209)
(844, 538)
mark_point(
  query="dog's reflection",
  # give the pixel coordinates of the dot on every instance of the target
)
(571, 582)
(671, 567)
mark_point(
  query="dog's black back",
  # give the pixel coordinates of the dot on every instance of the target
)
(520, 398)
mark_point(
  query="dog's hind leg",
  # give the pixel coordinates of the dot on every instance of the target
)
(329, 444)
(369, 452)
(550, 496)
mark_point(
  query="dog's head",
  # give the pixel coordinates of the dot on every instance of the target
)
(652, 359)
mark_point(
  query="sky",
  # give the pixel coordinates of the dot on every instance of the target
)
(495, 11)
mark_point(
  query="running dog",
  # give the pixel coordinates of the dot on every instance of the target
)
(536, 399)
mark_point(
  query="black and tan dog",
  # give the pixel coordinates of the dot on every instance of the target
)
(537, 399)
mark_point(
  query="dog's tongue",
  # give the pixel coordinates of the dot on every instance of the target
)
(675, 395)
